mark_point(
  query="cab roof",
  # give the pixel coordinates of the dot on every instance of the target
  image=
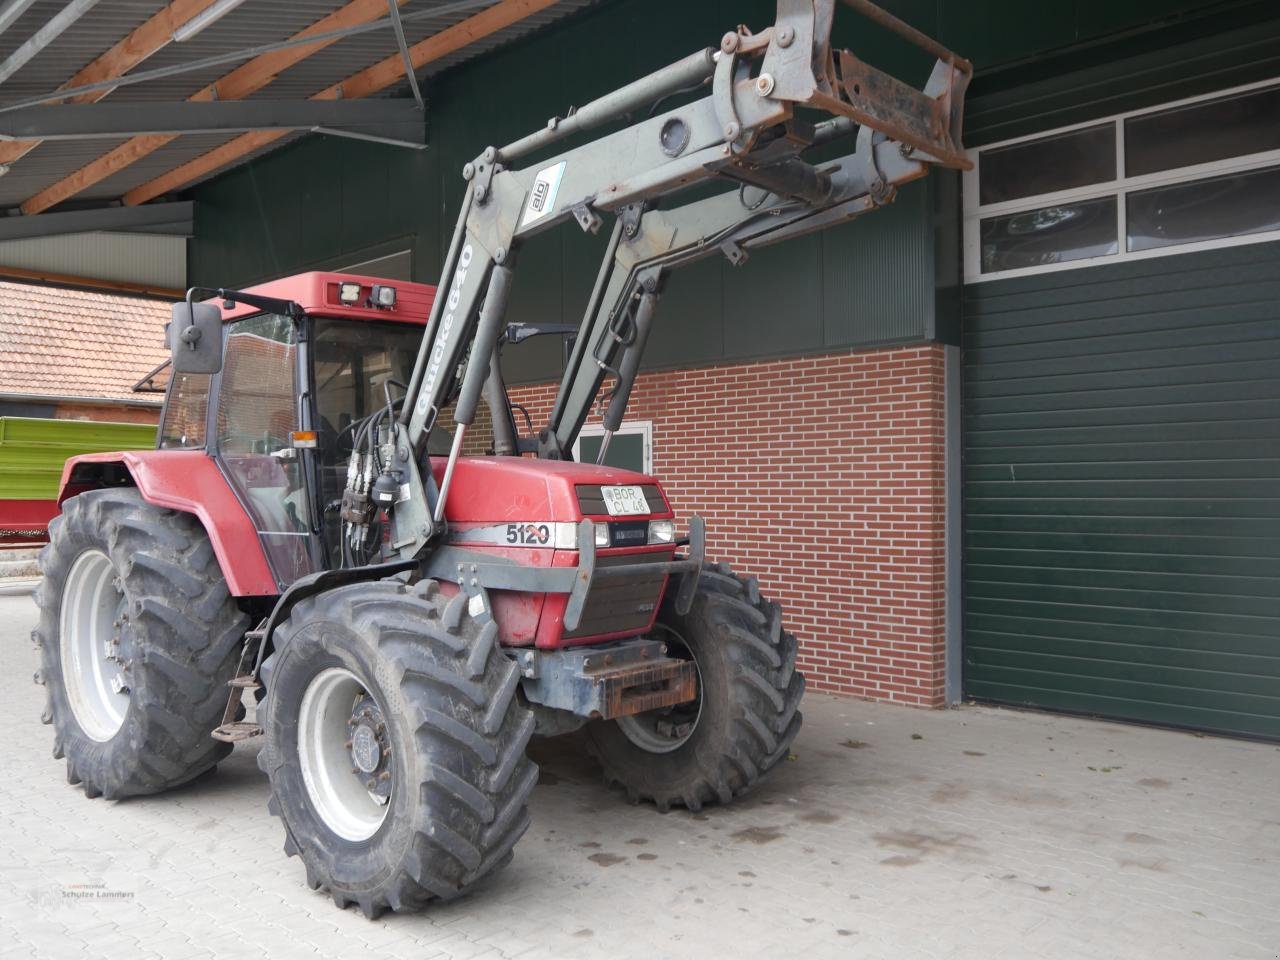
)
(317, 293)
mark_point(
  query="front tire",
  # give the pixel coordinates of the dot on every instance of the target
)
(138, 637)
(745, 719)
(395, 744)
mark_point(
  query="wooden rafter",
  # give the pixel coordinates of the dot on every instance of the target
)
(119, 60)
(380, 76)
(246, 79)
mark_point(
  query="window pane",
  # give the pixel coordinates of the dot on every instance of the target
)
(184, 411)
(1056, 234)
(626, 450)
(354, 360)
(259, 406)
(1203, 132)
(1060, 162)
(257, 410)
(1210, 209)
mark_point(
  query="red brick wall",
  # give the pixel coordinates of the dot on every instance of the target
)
(823, 477)
(107, 413)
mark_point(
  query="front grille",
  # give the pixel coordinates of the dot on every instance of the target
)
(591, 501)
(621, 603)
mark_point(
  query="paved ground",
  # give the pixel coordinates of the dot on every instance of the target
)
(893, 833)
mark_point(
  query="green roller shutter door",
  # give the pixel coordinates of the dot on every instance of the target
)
(1122, 490)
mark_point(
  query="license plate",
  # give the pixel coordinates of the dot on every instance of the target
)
(624, 501)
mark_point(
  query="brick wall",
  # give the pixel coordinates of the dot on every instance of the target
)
(823, 477)
(111, 414)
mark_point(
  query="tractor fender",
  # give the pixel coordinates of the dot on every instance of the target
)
(188, 481)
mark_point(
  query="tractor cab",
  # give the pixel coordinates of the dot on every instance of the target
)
(282, 413)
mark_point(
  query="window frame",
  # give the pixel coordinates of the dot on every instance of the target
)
(628, 427)
(974, 213)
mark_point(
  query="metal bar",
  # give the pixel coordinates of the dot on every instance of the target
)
(909, 33)
(48, 32)
(144, 385)
(454, 452)
(693, 69)
(605, 440)
(583, 575)
(483, 344)
(495, 395)
(76, 121)
(369, 138)
(580, 343)
(248, 53)
(145, 219)
(646, 569)
(630, 365)
(697, 557)
(437, 307)
(13, 11)
(403, 44)
(204, 19)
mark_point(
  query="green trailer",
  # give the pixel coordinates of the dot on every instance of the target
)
(32, 452)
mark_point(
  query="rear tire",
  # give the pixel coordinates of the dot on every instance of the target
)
(745, 719)
(449, 730)
(119, 569)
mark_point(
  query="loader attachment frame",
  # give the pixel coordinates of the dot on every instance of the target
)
(771, 97)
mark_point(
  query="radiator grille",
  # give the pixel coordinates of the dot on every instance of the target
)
(622, 603)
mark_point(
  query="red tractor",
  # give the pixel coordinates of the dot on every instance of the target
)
(409, 619)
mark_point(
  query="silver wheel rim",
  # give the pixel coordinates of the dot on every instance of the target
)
(92, 676)
(337, 794)
(664, 731)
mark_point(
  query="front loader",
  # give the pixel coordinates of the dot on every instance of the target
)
(408, 618)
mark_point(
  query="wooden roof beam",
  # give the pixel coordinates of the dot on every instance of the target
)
(246, 79)
(383, 74)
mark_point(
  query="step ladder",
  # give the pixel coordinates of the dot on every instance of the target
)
(232, 730)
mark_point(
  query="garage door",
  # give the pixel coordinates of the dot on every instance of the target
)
(1122, 490)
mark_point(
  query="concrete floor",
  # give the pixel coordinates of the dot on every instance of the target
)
(893, 832)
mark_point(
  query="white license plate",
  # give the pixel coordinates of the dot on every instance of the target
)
(624, 501)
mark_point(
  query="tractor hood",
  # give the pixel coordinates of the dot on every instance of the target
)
(493, 490)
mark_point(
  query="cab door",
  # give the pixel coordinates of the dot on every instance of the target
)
(258, 411)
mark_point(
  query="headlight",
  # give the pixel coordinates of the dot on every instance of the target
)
(662, 531)
(602, 534)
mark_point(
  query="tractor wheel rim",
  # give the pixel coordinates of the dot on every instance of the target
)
(90, 621)
(335, 785)
(664, 731)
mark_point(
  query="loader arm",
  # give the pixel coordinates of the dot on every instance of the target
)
(772, 97)
(648, 245)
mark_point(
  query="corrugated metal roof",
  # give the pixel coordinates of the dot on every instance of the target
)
(255, 22)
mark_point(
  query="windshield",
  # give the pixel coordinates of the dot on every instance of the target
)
(356, 364)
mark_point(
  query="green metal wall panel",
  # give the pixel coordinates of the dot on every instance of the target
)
(1186, 57)
(32, 451)
(1122, 490)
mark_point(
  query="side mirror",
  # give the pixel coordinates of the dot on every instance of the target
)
(195, 338)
